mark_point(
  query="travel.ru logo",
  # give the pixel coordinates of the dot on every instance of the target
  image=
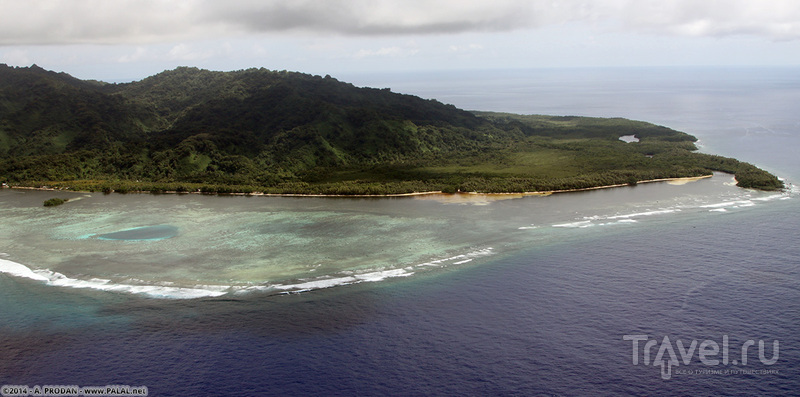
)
(708, 351)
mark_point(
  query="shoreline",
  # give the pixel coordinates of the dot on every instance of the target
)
(412, 194)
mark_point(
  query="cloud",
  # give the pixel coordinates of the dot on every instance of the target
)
(149, 21)
(776, 19)
(389, 52)
(184, 52)
(15, 57)
(376, 17)
(466, 48)
(138, 55)
(92, 21)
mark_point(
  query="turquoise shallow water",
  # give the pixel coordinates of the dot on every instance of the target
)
(188, 246)
(157, 232)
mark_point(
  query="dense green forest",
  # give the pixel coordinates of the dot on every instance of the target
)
(259, 130)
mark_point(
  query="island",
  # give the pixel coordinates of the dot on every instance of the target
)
(54, 202)
(279, 132)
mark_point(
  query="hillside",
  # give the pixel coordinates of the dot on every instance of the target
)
(287, 132)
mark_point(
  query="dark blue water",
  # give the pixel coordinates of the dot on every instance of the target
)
(548, 320)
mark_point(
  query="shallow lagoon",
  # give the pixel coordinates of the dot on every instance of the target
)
(196, 245)
(148, 233)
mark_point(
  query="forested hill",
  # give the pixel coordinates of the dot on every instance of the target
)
(281, 131)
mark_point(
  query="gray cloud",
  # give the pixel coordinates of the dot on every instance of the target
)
(92, 21)
(776, 19)
(377, 17)
(25, 22)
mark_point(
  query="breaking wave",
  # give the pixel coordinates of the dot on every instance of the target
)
(156, 291)
(167, 291)
(725, 205)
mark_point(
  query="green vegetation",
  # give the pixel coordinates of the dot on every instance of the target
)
(255, 130)
(54, 202)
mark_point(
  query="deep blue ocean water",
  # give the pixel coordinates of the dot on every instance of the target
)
(547, 317)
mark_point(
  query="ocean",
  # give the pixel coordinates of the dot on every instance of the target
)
(682, 288)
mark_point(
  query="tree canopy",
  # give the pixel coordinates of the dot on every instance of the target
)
(287, 132)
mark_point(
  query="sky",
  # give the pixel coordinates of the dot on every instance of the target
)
(125, 40)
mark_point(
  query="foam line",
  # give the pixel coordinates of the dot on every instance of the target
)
(647, 213)
(580, 224)
(207, 291)
(19, 270)
(459, 259)
(739, 203)
(157, 291)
